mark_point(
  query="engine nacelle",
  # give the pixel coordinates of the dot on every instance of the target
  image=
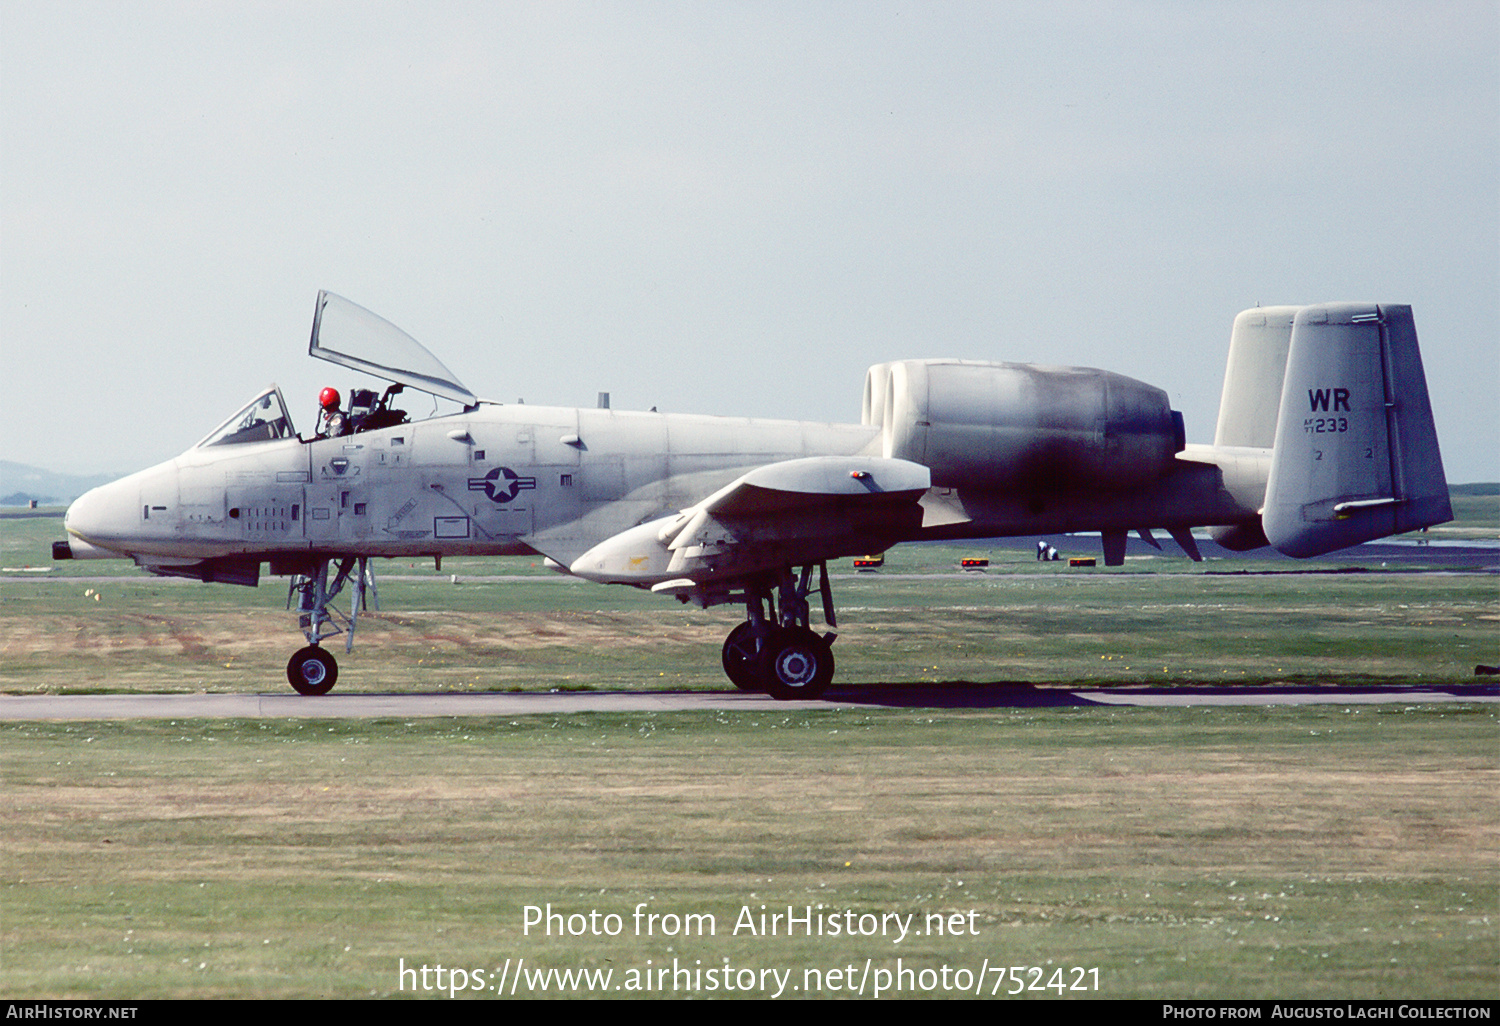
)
(1022, 426)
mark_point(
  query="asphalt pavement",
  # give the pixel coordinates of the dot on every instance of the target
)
(930, 696)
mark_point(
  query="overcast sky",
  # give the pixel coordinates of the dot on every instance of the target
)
(724, 207)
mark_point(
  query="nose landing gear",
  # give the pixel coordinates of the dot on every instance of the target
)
(312, 670)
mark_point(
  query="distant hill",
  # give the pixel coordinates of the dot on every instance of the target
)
(19, 484)
(1485, 488)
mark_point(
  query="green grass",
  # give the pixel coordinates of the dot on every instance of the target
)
(1476, 513)
(1052, 627)
(1312, 852)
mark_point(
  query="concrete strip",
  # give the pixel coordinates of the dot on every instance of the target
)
(401, 706)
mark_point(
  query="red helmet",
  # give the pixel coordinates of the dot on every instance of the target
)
(329, 398)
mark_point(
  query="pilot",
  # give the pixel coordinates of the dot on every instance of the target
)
(331, 421)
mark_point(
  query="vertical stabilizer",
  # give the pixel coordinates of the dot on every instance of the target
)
(1356, 453)
(1252, 381)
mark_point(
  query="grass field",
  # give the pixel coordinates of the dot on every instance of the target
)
(1323, 852)
(1430, 629)
(1330, 851)
(1476, 512)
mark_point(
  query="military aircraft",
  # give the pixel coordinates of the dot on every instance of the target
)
(1325, 439)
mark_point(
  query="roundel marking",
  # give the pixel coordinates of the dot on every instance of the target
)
(501, 484)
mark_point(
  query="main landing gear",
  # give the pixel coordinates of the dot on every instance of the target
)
(313, 670)
(776, 650)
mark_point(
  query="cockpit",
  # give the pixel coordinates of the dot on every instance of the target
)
(347, 334)
(263, 419)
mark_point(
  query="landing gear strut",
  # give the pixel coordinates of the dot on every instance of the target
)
(776, 650)
(313, 670)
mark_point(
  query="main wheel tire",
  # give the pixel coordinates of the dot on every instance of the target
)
(312, 671)
(741, 660)
(798, 665)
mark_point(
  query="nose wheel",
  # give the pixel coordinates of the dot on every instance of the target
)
(312, 671)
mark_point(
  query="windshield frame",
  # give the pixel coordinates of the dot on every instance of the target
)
(254, 428)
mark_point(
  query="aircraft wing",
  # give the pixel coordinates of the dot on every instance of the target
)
(796, 511)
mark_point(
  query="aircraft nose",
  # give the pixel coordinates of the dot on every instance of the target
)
(103, 517)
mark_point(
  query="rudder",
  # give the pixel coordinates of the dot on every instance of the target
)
(1356, 453)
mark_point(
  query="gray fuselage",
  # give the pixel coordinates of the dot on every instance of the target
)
(515, 479)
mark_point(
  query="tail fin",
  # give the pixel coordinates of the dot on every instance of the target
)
(1252, 382)
(1356, 453)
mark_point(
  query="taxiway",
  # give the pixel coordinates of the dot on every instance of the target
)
(941, 696)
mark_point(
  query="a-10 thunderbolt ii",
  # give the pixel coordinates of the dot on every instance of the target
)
(1325, 439)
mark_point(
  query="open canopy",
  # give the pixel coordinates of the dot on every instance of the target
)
(347, 334)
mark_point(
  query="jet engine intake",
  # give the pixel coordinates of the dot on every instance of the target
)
(1023, 426)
